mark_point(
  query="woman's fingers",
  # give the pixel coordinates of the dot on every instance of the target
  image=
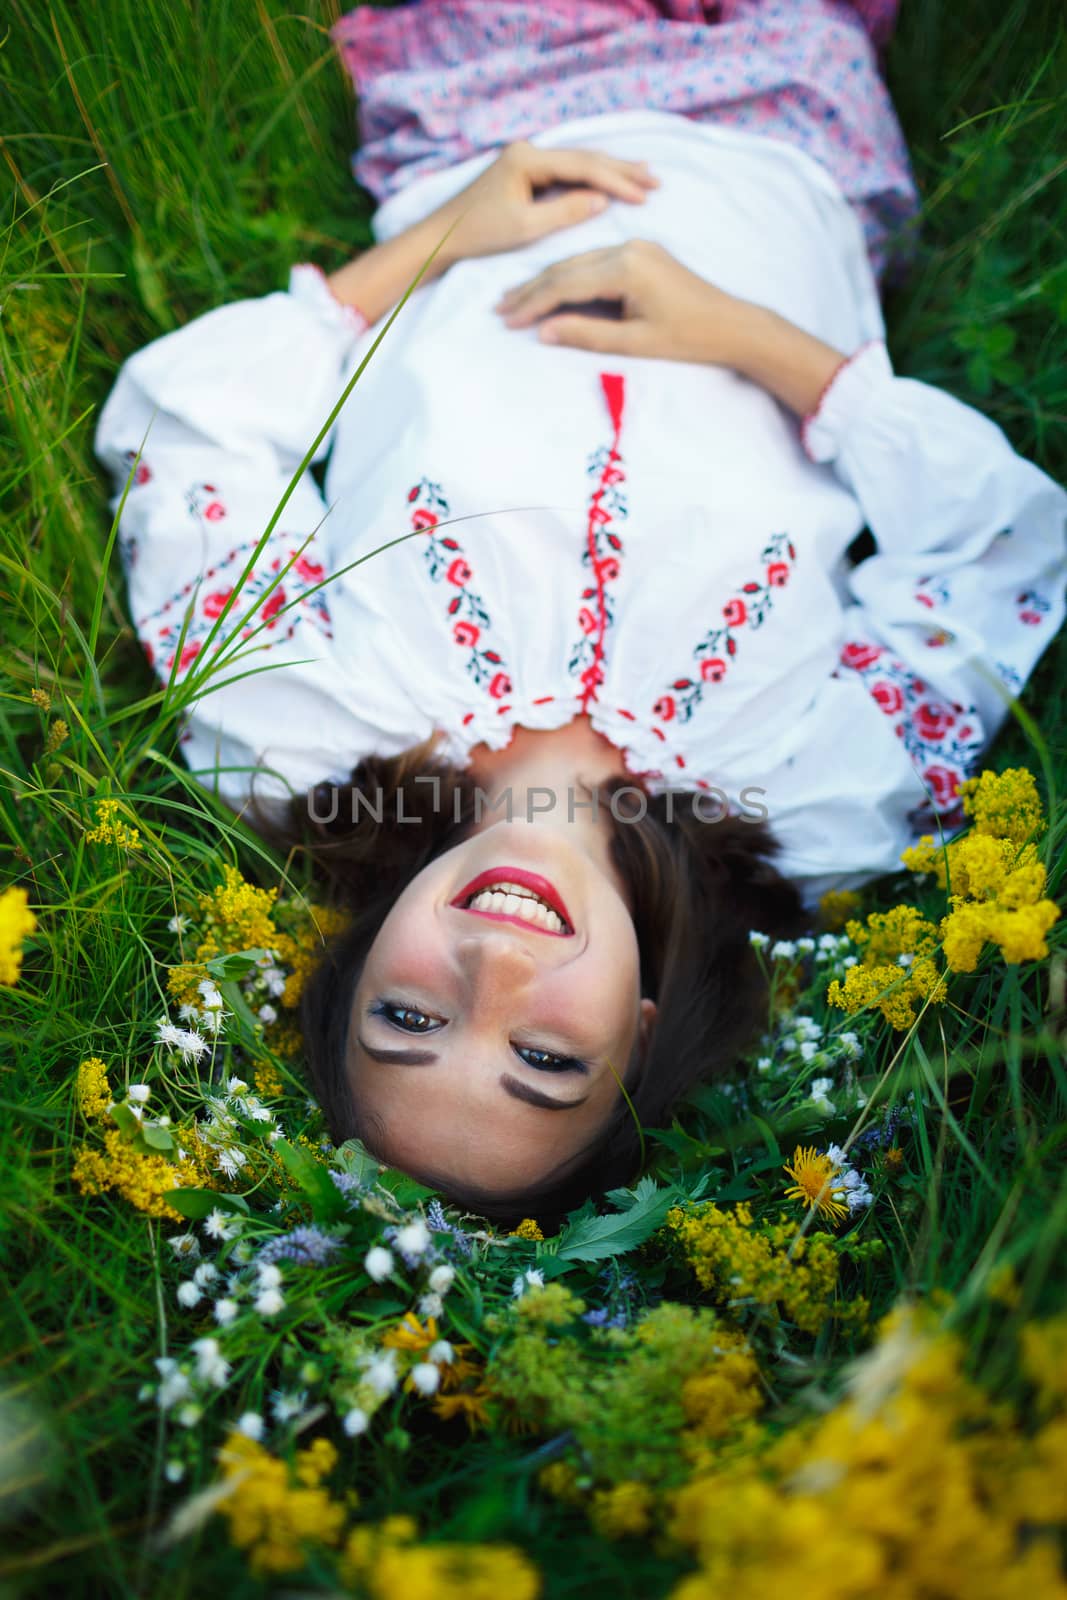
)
(623, 180)
(595, 333)
(596, 275)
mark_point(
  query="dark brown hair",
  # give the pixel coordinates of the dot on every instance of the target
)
(696, 890)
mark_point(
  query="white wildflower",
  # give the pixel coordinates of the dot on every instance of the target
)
(225, 1311)
(850, 961)
(413, 1239)
(236, 1086)
(849, 1042)
(251, 1424)
(430, 1305)
(425, 1377)
(192, 1046)
(174, 1471)
(378, 1263)
(188, 1294)
(764, 1064)
(783, 950)
(211, 1367)
(381, 1373)
(205, 1273)
(905, 959)
(168, 1034)
(441, 1278)
(175, 1385)
(138, 1093)
(230, 1161)
(286, 1406)
(269, 1303)
(356, 1422)
(185, 1244)
(216, 1226)
(267, 1013)
(213, 1020)
(808, 1050)
(177, 924)
(828, 941)
(189, 1414)
(274, 978)
(757, 940)
(188, 1013)
(210, 998)
(269, 1275)
(440, 1353)
(805, 946)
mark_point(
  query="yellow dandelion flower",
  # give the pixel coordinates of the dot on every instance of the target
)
(813, 1177)
(17, 922)
(410, 1334)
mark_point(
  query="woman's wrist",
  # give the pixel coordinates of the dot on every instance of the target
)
(793, 366)
(376, 279)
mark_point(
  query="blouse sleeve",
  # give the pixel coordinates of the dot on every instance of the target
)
(213, 421)
(947, 618)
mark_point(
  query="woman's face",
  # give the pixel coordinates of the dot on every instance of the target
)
(489, 1028)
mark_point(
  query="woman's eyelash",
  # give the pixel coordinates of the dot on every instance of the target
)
(396, 1011)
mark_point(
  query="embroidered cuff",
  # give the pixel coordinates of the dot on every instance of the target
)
(307, 283)
(844, 396)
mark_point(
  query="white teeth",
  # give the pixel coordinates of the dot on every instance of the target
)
(509, 900)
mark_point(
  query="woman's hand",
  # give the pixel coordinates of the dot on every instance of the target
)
(666, 310)
(500, 209)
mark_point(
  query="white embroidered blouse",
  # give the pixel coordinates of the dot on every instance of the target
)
(656, 544)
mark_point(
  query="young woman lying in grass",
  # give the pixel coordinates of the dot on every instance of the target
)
(616, 651)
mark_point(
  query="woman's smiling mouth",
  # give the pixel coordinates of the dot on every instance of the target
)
(511, 894)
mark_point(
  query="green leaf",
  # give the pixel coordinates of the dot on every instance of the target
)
(150, 286)
(235, 965)
(128, 1124)
(597, 1238)
(196, 1204)
(157, 1138)
(327, 1201)
(355, 1159)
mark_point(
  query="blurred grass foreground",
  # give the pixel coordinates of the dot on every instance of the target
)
(823, 1342)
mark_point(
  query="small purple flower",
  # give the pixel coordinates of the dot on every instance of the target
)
(306, 1247)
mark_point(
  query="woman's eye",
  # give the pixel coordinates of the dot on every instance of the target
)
(545, 1061)
(410, 1018)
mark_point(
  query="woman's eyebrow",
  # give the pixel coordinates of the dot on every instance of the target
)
(512, 1086)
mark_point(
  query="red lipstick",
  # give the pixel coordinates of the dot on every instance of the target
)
(541, 887)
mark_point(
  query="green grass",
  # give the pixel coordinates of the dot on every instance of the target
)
(161, 159)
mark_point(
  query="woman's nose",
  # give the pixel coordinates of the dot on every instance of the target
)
(493, 960)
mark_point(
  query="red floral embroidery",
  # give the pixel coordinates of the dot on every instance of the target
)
(607, 508)
(858, 654)
(203, 501)
(748, 609)
(445, 562)
(888, 695)
(261, 600)
(142, 472)
(943, 740)
(1033, 607)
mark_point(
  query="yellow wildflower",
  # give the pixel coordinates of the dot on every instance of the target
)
(1043, 1347)
(836, 907)
(41, 699)
(886, 935)
(410, 1335)
(270, 1517)
(109, 830)
(527, 1229)
(893, 989)
(560, 1480)
(388, 1564)
(813, 1183)
(1004, 805)
(58, 734)
(142, 1179)
(17, 922)
(94, 1091)
(269, 1085)
(470, 1404)
(766, 1264)
(624, 1509)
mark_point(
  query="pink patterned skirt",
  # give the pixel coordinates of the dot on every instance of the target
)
(440, 80)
